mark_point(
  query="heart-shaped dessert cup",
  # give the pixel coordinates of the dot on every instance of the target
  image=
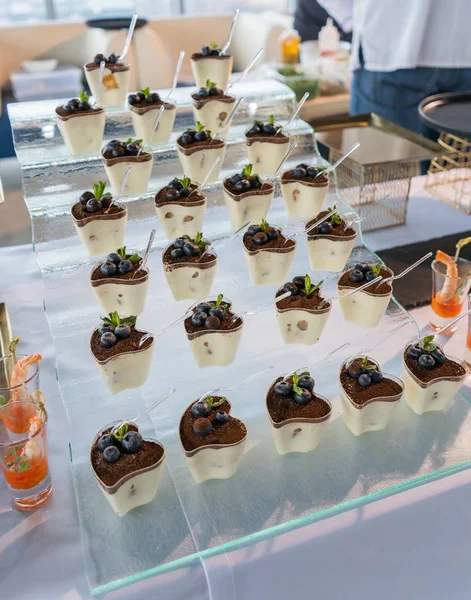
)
(125, 296)
(213, 460)
(249, 206)
(372, 415)
(190, 280)
(181, 217)
(303, 198)
(102, 232)
(270, 266)
(133, 488)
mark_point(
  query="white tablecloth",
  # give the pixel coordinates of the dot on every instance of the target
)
(413, 545)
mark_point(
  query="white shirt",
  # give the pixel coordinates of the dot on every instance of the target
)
(404, 34)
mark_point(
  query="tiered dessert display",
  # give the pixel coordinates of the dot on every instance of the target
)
(231, 340)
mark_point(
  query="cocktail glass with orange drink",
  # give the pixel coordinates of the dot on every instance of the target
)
(23, 453)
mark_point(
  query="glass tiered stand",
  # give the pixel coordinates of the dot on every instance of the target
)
(188, 522)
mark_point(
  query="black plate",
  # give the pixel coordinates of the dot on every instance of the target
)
(448, 113)
(114, 23)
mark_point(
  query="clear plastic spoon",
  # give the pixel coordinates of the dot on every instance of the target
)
(177, 75)
(233, 387)
(320, 360)
(146, 255)
(295, 114)
(337, 162)
(231, 33)
(128, 37)
(229, 120)
(260, 308)
(313, 226)
(145, 412)
(208, 175)
(291, 149)
(244, 72)
(368, 212)
(101, 74)
(348, 294)
(409, 269)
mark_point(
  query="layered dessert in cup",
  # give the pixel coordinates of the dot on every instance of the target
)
(118, 157)
(210, 64)
(367, 306)
(304, 190)
(212, 106)
(122, 352)
(212, 439)
(247, 197)
(120, 283)
(198, 151)
(213, 332)
(127, 467)
(302, 316)
(115, 84)
(431, 378)
(368, 395)
(99, 221)
(269, 254)
(298, 415)
(266, 146)
(180, 208)
(330, 244)
(81, 125)
(144, 107)
(189, 267)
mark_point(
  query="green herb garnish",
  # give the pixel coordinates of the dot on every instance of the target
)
(114, 319)
(213, 45)
(309, 288)
(209, 84)
(365, 363)
(219, 299)
(376, 269)
(145, 91)
(335, 219)
(134, 258)
(185, 181)
(83, 97)
(120, 432)
(98, 189)
(3, 400)
(296, 378)
(264, 225)
(215, 404)
(131, 141)
(427, 343)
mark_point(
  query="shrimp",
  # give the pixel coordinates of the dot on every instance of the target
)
(20, 375)
(451, 281)
(33, 447)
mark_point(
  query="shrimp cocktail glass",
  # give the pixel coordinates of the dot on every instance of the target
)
(23, 453)
(19, 378)
(451, 280)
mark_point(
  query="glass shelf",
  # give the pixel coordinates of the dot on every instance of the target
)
(188, 522)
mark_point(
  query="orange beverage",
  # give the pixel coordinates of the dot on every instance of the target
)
(21, 473)
(449, 308)
(289, 46)
(450, 285)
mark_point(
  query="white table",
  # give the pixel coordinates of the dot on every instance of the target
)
(413, 545)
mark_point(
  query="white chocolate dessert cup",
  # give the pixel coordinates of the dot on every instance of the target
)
(196, 161)
(435, 395)
(102, 233)
(249, 206)
(125, 296)
(143, 119)
(213, 112)
(181, 217)
(328, 252)
(217, 69)
(190, 280)
(134, 489)
(265, 153)
(114, 90)
(300, 326)
(138, 179)
(372, 415)
(269, 266)
(127, 369)
(364, 308)
(303, 198)
(82, 131)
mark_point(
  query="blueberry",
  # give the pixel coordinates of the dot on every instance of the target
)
(438, 356)
(355, 370)
(132, 149)
(204, 307)
(191, 249)
(363, 267)
(184, 192)
(200, 410)
(269, 129)
(364, 380)
(176, 253)
(312, 171)
(73, 104)
(114, 257)
(172, 195)
(112, 58)
(180, 242)
(198, 319)
(221, 417)
(99, 58)
(235, 178)
(106, 200)
(104, 328)
(272, 233)
(203, 92)
(202, 427)
(299, 172)
(255, 130)
(111, 454)
(283, 388)
(306, 382)
(214, 91)
(118, 151)
(212, 323)
(122, 331)
(376, 376)
(255, 182)
(153, 98)
(84, 106)
(356, 276)
(414, 352)
(253, 229)
(325, 228)
(85, 197)
(260, 238)
(290, 287)
(369, 276)
(141, 96)
(174, 185)
(108, 339)
(93, 205)
(217, 311)
(105, 441)
(214, 52)
(187, 138)
(108, 269)
(132, 442)
(303, 398)
(242, 186)
(206, 51)
(426, 361)
(299, 281)
(124, 267)
(133, 99)
(201, 136)
(302, 166)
